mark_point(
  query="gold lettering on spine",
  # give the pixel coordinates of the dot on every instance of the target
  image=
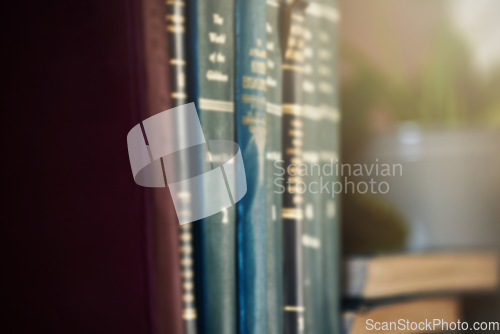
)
(218, 38)
(254, 83)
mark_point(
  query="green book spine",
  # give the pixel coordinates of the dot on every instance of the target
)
(292, 141)
(175, 28)
(314, 284)
(327, 14)
(212, 57)
(273, 154)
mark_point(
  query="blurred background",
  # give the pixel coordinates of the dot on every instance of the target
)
(419, 86)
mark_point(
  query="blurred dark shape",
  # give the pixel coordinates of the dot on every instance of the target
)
(371, 224)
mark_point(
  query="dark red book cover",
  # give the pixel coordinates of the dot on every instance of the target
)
(86, 249)
(166, 291)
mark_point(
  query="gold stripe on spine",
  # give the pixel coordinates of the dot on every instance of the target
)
(175, 28)
(292, 213)
(176, 61)
(179, 95)
(189, 314)
(188, 286)
(292, 308)
(216, 105)
(293, 179)
(297, 123)
(296, 133)
(293, 151)
(248, 98)
(290, 67)
(187, 274)
(188, 297)
(174, 3)
(186, 249)
(292, 109)
(175, 18)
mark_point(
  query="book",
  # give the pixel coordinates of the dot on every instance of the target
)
(165, 275)
(83, 238)
(327, 15)
(211, 58)
(293, 132)
(274, 155)
(250, 103)
(387, 276)
(175, 30)
(314, 284)
(405, 316)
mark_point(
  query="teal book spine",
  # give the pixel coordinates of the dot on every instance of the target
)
(175, 28)
(250, 103)
(314, 284)
(273, 155)
(292, 146)
(211, 57)
(327, 15)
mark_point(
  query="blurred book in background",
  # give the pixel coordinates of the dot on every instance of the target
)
(387, 317)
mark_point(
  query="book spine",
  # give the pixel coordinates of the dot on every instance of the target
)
(327, 14)
(250, 103)
(314, 284)
(165, 281)
(293, 133)
(175, 28)
(212, 57)
(273, 155)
